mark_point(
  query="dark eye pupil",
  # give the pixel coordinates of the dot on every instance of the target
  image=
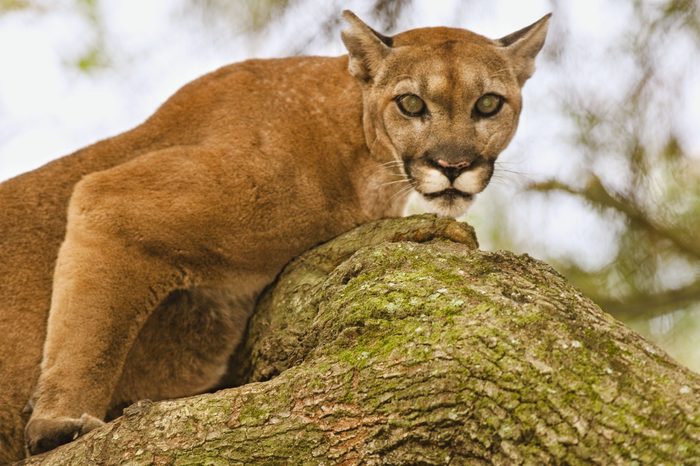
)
(411, 105)
(488, 104)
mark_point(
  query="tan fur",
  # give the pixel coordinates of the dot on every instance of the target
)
(174, 228)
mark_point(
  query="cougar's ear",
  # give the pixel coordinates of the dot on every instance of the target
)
(523, 46)
(367, 48)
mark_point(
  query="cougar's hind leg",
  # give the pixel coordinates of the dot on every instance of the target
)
(168, 220)
(112, 271)
(103, 294)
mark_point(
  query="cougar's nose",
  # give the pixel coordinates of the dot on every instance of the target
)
(451, 169)
(463, 165)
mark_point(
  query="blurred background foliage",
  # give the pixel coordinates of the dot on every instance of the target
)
(632, 172)
(652, 281)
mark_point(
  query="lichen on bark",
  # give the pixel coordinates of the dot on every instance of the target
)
(401, 343)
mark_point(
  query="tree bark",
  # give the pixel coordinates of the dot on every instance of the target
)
(401, 343)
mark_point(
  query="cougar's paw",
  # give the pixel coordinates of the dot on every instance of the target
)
(428, 227)
(44, 434)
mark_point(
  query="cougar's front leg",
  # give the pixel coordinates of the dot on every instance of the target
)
(106, 283)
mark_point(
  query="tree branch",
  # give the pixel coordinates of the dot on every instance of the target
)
(596, 193)
(649, 304)
(394, 344)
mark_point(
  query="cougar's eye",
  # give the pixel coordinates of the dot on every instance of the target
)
(488, 105)
(411, 105)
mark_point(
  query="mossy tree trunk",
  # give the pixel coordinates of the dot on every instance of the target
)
(401, 343)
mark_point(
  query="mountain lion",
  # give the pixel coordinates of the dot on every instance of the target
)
(129, 268)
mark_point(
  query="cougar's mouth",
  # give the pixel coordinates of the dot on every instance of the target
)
(449, 194)
(450, 202)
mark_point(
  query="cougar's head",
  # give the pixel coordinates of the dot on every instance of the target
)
(442, 102)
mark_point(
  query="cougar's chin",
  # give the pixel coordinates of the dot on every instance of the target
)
(448, 202)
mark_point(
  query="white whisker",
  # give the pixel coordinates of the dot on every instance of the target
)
(395, 182)
(402, 191)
